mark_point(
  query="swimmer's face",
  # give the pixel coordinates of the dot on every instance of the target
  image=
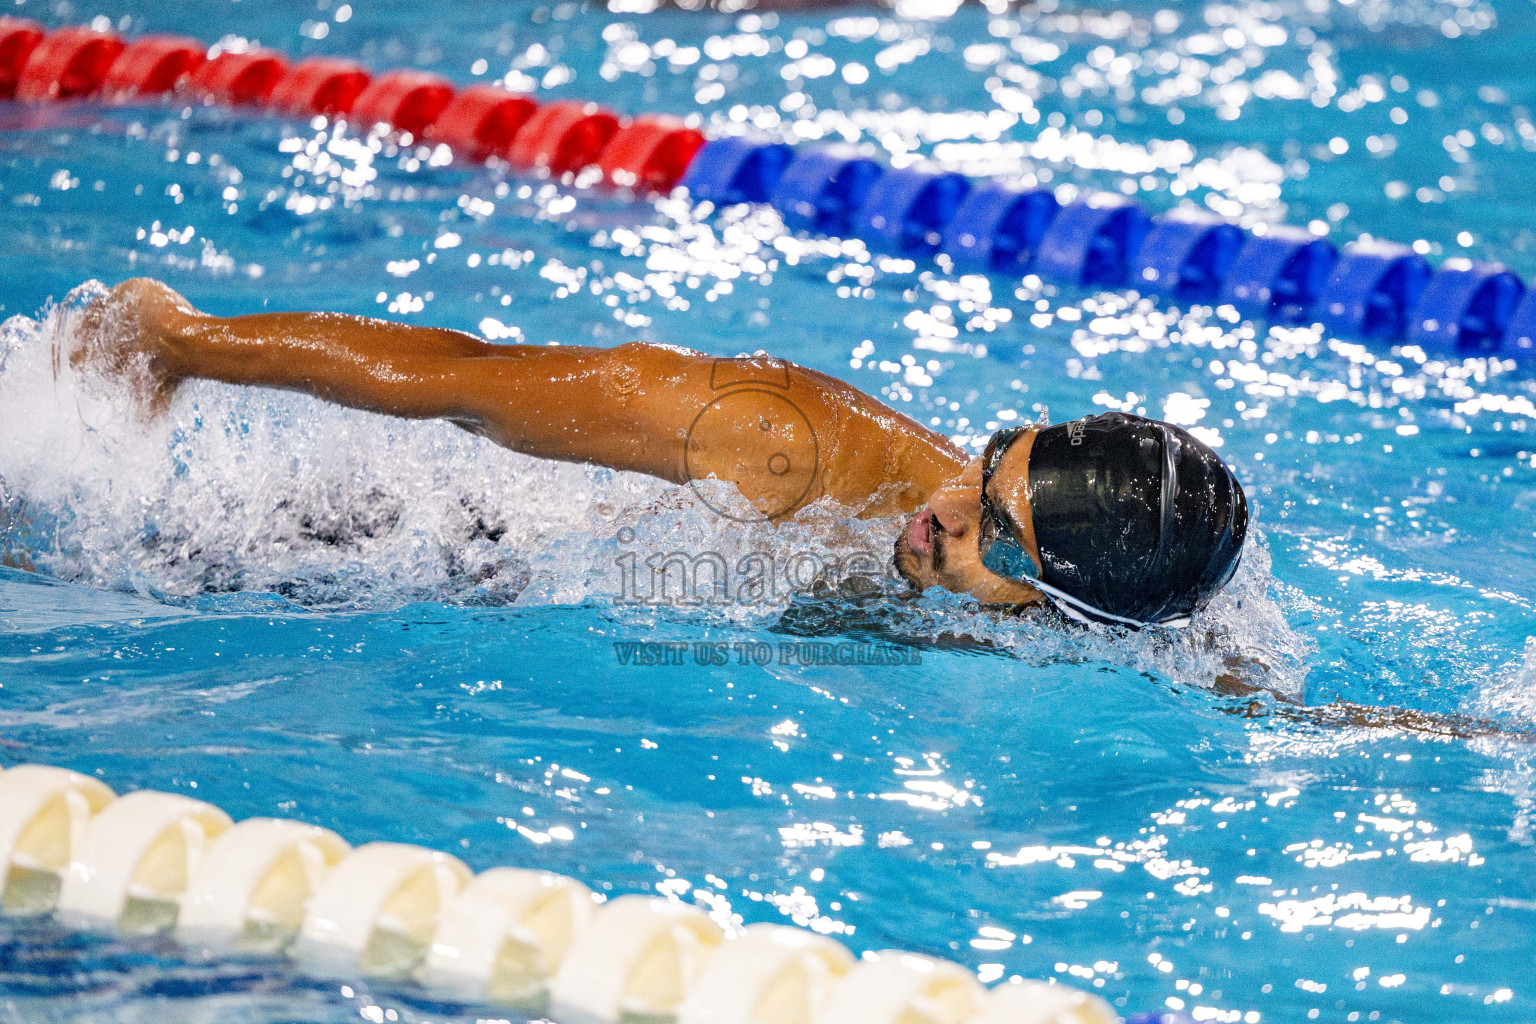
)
(939, 546)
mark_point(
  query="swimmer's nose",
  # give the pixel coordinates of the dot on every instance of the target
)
(954, 506)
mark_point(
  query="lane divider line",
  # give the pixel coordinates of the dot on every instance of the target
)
(1372, 291)
(151, 863)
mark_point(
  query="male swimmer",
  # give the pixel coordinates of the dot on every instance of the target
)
(1114, 519)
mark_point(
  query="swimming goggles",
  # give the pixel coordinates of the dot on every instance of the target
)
(998, 539)
(1003, 553)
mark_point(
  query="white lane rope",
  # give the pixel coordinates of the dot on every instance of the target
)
(150, 863)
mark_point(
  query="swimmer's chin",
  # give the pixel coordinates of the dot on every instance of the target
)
(908, 566)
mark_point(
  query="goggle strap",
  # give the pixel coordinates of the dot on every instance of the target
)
(1081, 611)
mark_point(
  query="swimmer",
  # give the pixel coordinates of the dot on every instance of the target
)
(1113, 519)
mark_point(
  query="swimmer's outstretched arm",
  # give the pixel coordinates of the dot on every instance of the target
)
(1387, 718)
(784, 434)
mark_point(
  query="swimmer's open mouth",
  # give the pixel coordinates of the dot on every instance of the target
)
(919, 539)
(920, 531)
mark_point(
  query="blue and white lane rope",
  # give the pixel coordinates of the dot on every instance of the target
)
(1375, 291)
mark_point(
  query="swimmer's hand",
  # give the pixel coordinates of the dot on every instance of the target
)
(131, 335)
(1246, 676)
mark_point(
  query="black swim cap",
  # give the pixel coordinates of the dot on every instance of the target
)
(1138, 520)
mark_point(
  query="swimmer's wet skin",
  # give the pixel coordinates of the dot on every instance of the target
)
(1114, 519)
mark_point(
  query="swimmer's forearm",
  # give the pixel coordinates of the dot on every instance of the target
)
(369, 364)
(573, 403)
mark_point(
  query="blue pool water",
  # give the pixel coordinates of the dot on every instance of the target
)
(399, 632)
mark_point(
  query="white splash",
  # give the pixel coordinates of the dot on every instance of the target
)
(260, 492)
(1512, 692)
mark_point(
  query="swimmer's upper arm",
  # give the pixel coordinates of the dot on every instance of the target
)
(785, 434)
(629, 407)
(777, 430)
